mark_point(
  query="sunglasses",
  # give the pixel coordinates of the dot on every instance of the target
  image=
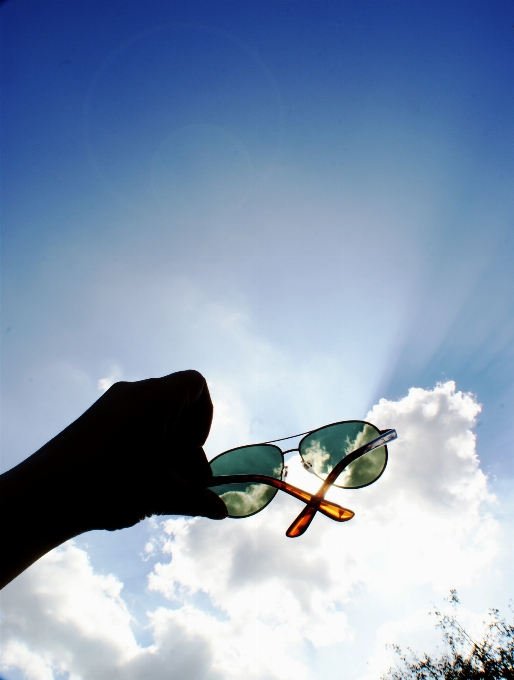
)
(349, 455)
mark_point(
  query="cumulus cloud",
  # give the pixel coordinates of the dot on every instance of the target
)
(425, 523)
(61, 617)
(245, 601)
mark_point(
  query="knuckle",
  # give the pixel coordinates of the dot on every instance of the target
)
(118, 386)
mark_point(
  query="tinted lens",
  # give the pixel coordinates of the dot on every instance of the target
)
(325, 447)
(247, 498)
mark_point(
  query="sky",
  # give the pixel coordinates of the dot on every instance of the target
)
(311, 204)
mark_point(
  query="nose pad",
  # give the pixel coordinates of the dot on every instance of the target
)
(284, 472)
(308, 467)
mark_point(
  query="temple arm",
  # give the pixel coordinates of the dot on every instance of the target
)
(302, 522)
(332, 510)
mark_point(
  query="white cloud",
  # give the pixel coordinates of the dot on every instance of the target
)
(245, 601)
(115, 374)
(61, 616)
(35, 667)
(425, 523)
(104, 384)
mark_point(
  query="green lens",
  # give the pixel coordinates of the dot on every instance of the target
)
(247, 498)
(324, 448)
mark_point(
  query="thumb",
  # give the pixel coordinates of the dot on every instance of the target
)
(186, 499)
(208, 504)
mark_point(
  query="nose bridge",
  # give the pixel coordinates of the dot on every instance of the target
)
(292, 448)
(289, 445)
(289, 450)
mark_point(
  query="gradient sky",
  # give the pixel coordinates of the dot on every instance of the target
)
(309, 202)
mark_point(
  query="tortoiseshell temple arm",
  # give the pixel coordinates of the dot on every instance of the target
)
(302, 522)
(332, 510)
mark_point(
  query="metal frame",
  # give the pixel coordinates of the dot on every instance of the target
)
(314, 502)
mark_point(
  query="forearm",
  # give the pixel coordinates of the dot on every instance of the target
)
(37, 514)
(24, 538)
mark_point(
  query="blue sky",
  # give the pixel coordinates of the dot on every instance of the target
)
(309, 202)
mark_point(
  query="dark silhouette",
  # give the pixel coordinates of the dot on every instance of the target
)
(136, 452)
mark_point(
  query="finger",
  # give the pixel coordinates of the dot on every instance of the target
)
(178, 497)
(194, 414)
(189, 425)
(174, 394)
(190, 462)
(205, 503)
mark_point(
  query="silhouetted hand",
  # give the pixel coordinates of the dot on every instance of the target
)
(136, 452)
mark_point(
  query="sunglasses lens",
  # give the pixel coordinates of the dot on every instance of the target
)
(247, 498)
(325, 447)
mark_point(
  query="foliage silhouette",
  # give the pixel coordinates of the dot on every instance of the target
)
(464, 658)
